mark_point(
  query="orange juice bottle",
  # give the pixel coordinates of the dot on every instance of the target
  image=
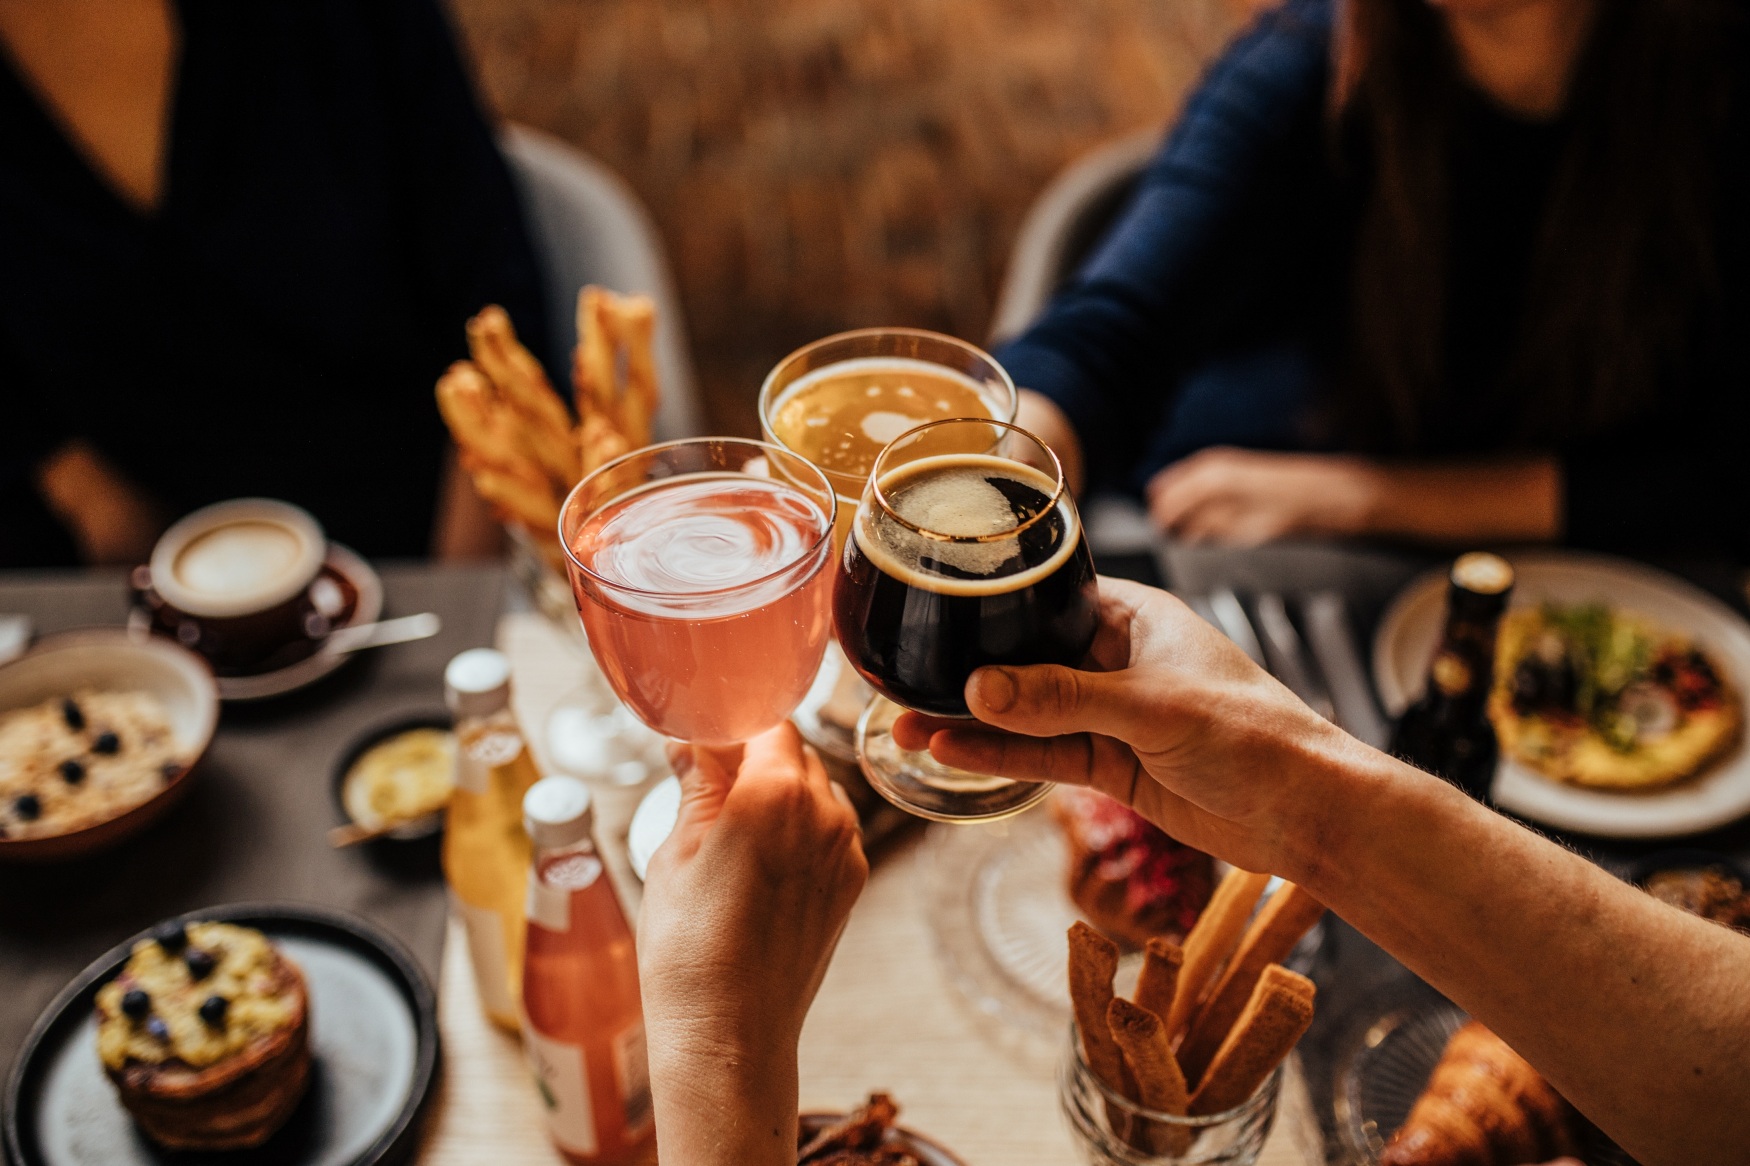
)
(486, 851)
(583, 1023)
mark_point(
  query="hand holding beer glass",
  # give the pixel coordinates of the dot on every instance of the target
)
(965, 550)
(700, 570)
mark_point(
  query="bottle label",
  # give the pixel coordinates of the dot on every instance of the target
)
(548, 906)
(563, 1083)
(489, 955)
(631, 1062)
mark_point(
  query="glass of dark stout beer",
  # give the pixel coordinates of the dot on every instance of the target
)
(965, 550)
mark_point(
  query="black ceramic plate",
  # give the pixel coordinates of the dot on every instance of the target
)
(422, 827)
(373, 1030)
(1646, 867)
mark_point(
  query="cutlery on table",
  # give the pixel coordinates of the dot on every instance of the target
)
(1230, 617)
(383, 633)
(1287, 657)
(1333, 642)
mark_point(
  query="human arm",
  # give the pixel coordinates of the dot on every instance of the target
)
(742, 909)
(1245, 497)
(1637, 1013)
(1215, 247)
(112, 521)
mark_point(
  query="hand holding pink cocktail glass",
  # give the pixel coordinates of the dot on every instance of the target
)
(700, 573)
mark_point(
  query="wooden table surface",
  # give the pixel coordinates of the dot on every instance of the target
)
(886, 1018)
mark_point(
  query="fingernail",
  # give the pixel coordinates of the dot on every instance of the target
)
(997, 689)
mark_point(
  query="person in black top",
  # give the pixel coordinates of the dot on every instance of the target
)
(238, 244)
(1449, 272)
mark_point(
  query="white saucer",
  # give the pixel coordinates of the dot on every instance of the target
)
(1407, 637)
(652, 823)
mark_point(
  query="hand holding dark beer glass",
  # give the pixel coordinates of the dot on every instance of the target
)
(966, 550)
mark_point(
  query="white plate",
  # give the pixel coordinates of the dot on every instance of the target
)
(314, 667)
(1410, 629)
(652, 823)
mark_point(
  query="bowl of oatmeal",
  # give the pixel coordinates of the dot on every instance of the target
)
(99, 732)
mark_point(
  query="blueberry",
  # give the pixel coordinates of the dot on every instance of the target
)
(73, 715)
(157, 1029)
(136, 1003)
(72, 771)
(107, 743)
(28, 807)
(213, 1010)
(172, 770)
(200, 963)
(172, 938)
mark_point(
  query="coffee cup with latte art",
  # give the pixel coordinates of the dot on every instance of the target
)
(242, 582)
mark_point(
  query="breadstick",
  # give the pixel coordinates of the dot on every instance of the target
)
(1160, 1086)
(519, 379)
(1211, 940)
(1288, 915)
(1155, 985)
(1275, 1016)
(1093, 961)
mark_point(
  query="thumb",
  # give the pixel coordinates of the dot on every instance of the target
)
(1049, 700)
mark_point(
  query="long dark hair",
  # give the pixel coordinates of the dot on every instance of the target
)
(1623, 275)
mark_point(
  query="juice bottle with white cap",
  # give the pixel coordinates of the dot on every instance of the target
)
(583, 1024)
(486, 850)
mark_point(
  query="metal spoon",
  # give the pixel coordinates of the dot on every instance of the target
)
(383, 633)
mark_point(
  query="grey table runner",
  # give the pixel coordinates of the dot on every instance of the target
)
(253, 824)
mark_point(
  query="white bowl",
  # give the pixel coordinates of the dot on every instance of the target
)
(116, 660)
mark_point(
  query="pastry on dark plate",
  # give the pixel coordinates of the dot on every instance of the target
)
(1132, 881)
(205, 1033)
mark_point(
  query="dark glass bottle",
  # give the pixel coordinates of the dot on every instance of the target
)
(1447, 731)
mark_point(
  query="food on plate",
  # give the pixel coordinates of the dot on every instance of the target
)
(515, 437)
(1602, 697)
(205, 1034)
(1129, 878)
(401, 778)
(1483, 1106)
(1129, 1045)
(79, 760)
(1285, 916)
(1712, 892)
(864, 1137)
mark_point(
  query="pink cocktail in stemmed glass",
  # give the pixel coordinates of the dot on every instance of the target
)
(700, 570)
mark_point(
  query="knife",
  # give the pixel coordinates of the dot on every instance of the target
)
(1333, 642)
(1287, 656)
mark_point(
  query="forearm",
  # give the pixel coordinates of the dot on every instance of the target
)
(718, 1107)
(1638, 1014)
(1476, 502)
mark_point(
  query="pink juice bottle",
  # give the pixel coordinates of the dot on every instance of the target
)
(707, 601)
(583, 1024)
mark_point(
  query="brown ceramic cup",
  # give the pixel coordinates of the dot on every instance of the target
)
(243, 583)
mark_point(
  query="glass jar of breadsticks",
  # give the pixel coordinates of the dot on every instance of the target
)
(1112, 1130)
(523, 451)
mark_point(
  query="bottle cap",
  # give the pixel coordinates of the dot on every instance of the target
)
(1481, 573)
(557, 812)
(477, 683)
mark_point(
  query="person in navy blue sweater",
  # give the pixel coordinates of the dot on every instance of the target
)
(1443, 271)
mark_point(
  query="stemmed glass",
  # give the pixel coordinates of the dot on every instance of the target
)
(837, 402)
(699, 568)
(965, 550)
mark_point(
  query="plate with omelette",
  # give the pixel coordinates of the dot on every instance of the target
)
(1618, 694)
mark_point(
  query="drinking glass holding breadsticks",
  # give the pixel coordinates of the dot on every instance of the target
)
(524, 451)
(1190, 1064)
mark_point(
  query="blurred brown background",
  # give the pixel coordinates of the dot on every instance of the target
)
(816, 165)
